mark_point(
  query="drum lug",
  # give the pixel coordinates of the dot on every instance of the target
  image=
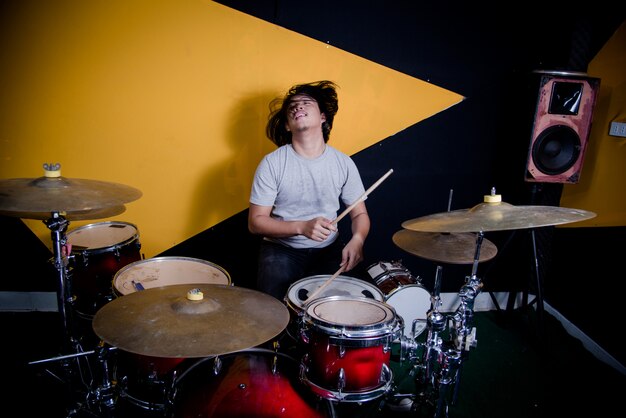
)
(385, 374)
(303, 335)
(303, 367)
(217, 365)
(85, 258)
(342, 352)
(341, 380)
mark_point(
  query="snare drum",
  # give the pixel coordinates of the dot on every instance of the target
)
(299, 292)
(98, 252)
(348, 347)
(166, 271)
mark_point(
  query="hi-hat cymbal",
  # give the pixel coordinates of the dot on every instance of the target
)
(165, 322)
(54, 193)
(496, 216)
(444, 247)
(71, 216)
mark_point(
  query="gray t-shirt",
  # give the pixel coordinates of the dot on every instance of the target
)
(300, 189)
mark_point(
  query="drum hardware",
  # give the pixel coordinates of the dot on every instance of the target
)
(348, 348)
(442, 357)
(98, 251)
(404, 292)
(300, 290)
(190, 320)
(55, 199)
(99, 398)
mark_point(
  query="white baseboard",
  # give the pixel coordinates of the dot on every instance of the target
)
(591, 346)
(28, 302)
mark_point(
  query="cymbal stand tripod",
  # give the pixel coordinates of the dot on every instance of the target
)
(100, 398)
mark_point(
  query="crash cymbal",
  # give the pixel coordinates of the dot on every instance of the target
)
(444, 247)
(167, 321)
(72, 216)
(495, 215)
(54, 193)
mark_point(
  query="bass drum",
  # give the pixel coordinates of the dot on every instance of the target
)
(251, 383)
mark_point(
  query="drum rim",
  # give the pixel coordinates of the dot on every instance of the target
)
(160, 259)
(98, 250)
(290, 302)
(377, 331)
(389, 273)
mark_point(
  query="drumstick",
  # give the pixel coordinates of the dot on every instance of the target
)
(319, 289)
(363, 196)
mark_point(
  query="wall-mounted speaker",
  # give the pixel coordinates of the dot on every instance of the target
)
(561, 126)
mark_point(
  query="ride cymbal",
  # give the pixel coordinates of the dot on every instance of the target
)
(495, 215)
(168, 322)
(444, 247)
(53, 193)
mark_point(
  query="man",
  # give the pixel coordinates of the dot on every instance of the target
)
(296, 193)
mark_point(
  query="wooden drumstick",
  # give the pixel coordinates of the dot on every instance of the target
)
(363, 196)
(319, 289)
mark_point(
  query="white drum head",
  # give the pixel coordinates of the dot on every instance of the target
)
(101, 235)
(351, 317)
(166, 271)
(299, 292)
(411, 302)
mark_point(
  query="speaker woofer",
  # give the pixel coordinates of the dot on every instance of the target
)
(556, 150)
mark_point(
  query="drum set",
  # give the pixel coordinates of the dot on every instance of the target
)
(175, 338)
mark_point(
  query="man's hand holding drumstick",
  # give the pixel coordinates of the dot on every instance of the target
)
(352, 253)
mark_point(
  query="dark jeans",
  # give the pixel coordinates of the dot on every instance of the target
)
(281, 266)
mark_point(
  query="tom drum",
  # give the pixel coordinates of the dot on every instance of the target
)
(98, 251)
(348, 342)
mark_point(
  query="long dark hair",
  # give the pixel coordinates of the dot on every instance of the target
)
(325, 94)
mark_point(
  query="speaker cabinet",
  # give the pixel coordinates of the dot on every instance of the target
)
(561, 126)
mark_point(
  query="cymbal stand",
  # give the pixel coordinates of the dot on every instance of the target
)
(462, 331)
(104, 399)
(70, 363)
(436, 324)
(58, 225)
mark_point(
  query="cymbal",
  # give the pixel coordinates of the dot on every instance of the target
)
(54, 193)
(71, 216)
(166, 322)
(496, 216)
(444, 247)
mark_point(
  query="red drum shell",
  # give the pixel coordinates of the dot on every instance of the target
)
(249, 383)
